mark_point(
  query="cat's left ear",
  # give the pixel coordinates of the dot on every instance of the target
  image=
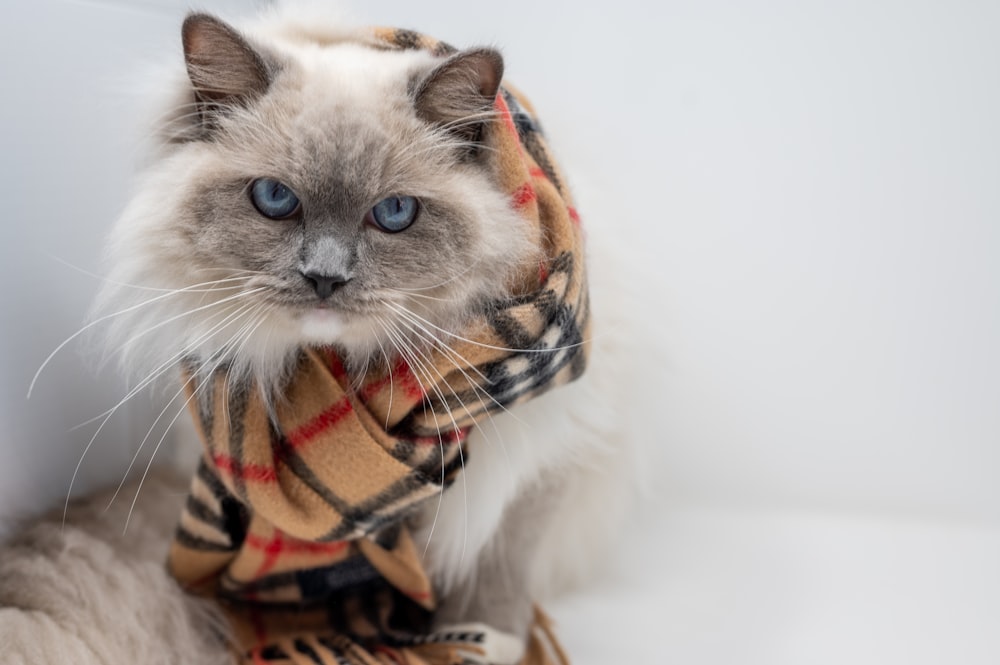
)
(459, 94)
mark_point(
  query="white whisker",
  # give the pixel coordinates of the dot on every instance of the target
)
(246, 336)
(239, 313)
(150, 378)
(489, 346)
(477, 391)
(418, 364)
(160, 324)
(101, 319)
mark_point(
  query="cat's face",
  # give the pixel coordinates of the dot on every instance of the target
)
(312, 194)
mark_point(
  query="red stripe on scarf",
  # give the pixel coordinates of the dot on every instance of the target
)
(248, 471)
(257, 653)
(392, 654)
(405, 375)
(508, 120)
(324, 421)
(417, 595)
(271, 548)
(523, 195)
(400, 372)
(336, 366)
(372, 389)
(281, 543)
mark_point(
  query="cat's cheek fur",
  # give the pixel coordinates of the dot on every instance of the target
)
(229, 235)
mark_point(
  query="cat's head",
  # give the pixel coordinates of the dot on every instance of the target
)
(312, 191)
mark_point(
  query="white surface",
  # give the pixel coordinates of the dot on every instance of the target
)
(787, 588)
(815, 185)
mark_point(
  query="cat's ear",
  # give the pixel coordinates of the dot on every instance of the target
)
(224, 69)
(459, 94)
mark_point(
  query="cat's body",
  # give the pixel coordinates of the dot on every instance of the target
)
(86, 593)
(545, 484)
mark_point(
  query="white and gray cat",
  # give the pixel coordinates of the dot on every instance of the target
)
(306, 190)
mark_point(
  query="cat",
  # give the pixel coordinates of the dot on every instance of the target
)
(242, 245)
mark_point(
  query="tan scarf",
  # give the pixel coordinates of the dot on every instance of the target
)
(296, 521)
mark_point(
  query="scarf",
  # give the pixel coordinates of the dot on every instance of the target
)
(296, 522)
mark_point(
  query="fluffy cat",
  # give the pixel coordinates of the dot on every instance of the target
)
(244, 238)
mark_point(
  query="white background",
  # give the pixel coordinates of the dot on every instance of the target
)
(816, 186)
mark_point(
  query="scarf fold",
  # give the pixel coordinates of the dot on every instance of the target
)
(296, 520)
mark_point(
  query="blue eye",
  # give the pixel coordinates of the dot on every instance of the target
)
(395, 213)
(273, 199)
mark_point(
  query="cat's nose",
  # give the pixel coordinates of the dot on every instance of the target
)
(325, 285)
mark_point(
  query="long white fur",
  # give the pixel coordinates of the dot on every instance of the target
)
(580, 438)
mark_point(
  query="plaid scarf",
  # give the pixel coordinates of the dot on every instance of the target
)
(296, 520)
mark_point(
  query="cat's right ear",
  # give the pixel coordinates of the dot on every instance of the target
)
(225, 70)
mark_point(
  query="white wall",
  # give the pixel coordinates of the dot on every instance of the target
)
(815, 183)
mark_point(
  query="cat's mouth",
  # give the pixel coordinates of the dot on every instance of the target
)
(334, 320)
(299, 306)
